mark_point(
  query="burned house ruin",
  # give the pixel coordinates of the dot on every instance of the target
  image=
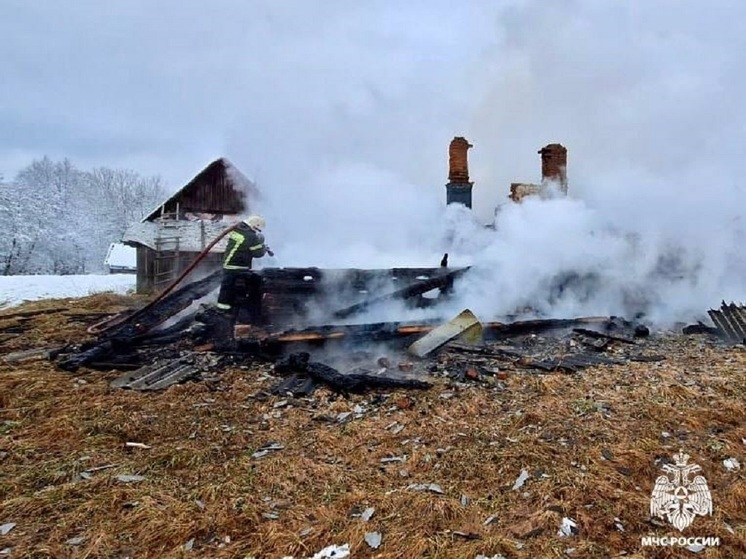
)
(169, 239)
(286, 314)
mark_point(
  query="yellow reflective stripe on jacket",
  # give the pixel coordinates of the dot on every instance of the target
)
(232, 267)
(239, 240)
(256, 247)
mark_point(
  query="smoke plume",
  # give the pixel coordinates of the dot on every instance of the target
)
(645, 96)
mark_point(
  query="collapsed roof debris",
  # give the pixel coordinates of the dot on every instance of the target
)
(489, 409)
(345, 383)
(291, 310)
(291, 327)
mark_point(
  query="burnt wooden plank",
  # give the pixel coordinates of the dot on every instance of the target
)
(442, 279)
(524, 327)
(603, 336)
(154, 314)
(344, 383)
(99, 352)
(297, 386)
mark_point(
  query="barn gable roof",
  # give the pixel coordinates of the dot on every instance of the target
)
(219, 188)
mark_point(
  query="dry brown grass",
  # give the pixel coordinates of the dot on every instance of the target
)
(202, 484)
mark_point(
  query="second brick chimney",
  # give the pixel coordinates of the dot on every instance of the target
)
(554, 165)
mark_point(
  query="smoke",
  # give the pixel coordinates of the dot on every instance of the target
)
(563, 257)
(355, 215)
(645, 96)
(342, 113)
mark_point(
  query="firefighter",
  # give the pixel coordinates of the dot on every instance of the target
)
(245, 243)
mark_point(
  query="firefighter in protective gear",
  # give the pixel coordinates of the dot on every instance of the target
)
(245, 243)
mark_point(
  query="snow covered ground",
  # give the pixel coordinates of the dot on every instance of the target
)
(14, 290)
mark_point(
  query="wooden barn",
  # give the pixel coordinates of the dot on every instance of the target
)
(173, 234)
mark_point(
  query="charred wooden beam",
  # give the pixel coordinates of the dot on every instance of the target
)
(385, 331)
(699, 328)
(15, 328)
(349, 383)
(443, 280)
(647, 358)
(152, 315)
(603, 336)
(569, 363)
(133, 330)
(574, 362)
(173, 333)
(374, 332)
(526, 327)
(98, 352)
(296, 386)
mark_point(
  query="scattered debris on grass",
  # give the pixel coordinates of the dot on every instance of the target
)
(520, 480)
(266, 449)
(127, 478)
(373, 539)
(568, 527)
(591, 442)
(367, 514)
(731, 464)
(431, 487)
(6, 528)
(333, 552)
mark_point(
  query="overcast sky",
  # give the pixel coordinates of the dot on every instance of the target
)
(648, 90)
(342, 111)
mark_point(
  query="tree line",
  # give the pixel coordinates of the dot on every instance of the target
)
(58, 219)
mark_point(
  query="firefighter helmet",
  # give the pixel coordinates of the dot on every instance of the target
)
(255, 222)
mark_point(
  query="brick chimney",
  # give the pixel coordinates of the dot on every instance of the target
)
(554, 165)
(458, 189)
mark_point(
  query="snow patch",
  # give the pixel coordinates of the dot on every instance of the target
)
(15, 290)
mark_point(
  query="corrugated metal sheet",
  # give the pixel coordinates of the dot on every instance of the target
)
(730, 322)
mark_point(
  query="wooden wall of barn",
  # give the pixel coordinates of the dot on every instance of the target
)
(210, 192)
(154, 274)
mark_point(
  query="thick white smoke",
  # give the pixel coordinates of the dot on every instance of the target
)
(647, 99)
(559, 257)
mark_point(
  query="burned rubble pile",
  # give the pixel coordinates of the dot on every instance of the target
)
(164, 342)
(169, 341)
